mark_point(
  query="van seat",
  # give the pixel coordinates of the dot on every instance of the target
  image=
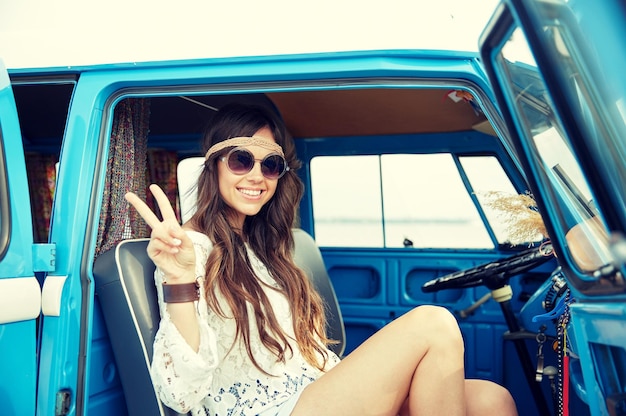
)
(124, 278)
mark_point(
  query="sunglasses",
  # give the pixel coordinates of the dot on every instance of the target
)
(241, 161)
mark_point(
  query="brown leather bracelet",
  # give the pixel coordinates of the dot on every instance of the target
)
(181, 293)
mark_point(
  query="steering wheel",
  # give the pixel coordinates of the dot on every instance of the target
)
(493, 275)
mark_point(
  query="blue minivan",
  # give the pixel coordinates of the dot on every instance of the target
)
(492, 184)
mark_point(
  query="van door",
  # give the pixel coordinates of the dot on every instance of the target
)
(558, 72)
(20, 292)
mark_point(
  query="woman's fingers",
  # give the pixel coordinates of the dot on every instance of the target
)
(158, 245)
(170, 247)
(167, 212)
(167, 235)
(164, 204)
(169, 217)
(143, 210)
(177, 237)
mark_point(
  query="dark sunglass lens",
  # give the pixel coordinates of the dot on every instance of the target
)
(273, 166)
(240, 162)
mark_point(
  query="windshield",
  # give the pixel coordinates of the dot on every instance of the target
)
(560, 173)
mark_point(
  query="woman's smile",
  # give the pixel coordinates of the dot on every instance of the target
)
(251, 193)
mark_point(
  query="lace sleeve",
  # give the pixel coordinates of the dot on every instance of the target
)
(333, 360)
(181, 376)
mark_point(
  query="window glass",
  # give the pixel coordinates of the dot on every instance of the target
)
(560, 172)
(346, 201)
(594, 90)
(425, 201)
(491, 184)
(403, 200)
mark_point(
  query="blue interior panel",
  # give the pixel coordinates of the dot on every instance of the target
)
(105, 391)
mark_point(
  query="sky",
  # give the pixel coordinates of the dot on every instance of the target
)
(40, 33)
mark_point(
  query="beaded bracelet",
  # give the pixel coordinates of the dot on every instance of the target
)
(181, 293)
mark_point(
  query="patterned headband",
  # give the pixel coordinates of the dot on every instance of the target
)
(245, 141)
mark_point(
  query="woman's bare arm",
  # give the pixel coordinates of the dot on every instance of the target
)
(172, 251)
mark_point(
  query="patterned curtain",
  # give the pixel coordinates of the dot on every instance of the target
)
(42, 176)
(126, 171)
(162, 170)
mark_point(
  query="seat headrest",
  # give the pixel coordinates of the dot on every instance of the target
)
(187, 174)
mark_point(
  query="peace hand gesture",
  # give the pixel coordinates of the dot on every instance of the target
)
(170, 248)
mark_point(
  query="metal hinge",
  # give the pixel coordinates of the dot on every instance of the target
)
(44, 257)
(63, 402)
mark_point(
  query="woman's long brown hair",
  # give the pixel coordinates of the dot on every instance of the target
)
(268, 233)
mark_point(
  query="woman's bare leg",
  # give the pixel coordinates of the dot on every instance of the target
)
(418, 358)
(482, 398)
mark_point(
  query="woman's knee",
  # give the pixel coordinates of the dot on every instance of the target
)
(436, 321)
(485, 398)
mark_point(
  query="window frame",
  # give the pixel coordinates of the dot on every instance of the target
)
(5, 202)
(472, 144)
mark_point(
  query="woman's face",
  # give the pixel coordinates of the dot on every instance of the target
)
(247, 193)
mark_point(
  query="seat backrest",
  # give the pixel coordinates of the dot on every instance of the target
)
(124, 278)
(309, 258)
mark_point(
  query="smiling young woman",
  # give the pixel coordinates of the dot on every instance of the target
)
(250, 338)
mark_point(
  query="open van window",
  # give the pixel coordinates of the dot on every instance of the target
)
(407, 200)
(43, 106)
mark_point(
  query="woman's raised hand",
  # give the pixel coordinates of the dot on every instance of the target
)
(170, 248)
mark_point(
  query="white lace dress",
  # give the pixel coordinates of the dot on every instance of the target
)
(219, 379)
